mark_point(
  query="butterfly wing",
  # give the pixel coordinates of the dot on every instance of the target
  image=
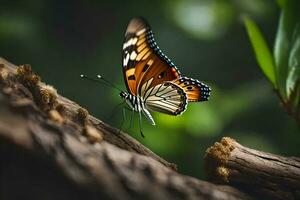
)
(143, 60)
(195, 90)
(166, 98)
(134, 37)
(148, 73)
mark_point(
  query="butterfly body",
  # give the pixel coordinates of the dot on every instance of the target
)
(153, 81)
(137, 104)
(166, 98)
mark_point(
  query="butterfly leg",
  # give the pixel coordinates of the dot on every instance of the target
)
(131, 118)
(123, 120)
(140, 124)
(114, 111)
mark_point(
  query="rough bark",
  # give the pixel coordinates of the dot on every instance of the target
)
(51, 148)
(267, 175)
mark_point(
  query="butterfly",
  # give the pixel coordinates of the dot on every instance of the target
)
(153, 81)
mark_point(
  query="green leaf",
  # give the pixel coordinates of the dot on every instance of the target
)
(282, 49)
(261, 50)
(286, 50)
(294, 62)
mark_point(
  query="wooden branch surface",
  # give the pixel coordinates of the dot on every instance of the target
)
(72, 111)
(51, 148)
(268, 175)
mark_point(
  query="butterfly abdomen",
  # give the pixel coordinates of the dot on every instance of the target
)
(137, 104)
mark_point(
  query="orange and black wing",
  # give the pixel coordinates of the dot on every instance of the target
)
(143, 60)
(195, 90)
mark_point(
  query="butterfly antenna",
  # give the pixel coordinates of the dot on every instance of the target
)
(101, 81)
(108, 82)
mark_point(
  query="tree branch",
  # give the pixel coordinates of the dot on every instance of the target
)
(52, 148)
(268, 175)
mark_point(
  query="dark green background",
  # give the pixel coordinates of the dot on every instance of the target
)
(205, 39)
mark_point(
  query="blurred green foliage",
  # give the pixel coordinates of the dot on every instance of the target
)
(204, 38)
(284, 74)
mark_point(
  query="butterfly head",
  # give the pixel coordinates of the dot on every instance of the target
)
(124, 95)
(129, 99)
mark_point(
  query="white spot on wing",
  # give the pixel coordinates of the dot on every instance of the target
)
(131, 41)
(126, 59)
(140, 32)
(133, 55)
(126, 44)
(134, 40)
